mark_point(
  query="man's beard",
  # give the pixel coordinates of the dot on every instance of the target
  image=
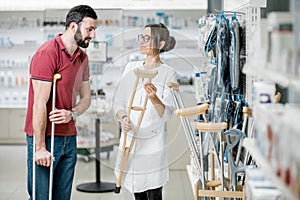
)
(78, 38)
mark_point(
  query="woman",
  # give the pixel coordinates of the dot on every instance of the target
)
(147, 169)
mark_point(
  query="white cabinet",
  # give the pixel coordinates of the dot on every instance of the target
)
(12, 122)
(4, 121)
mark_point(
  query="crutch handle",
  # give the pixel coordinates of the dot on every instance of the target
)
(173, 86)
(56, 77)
(210, 127)
(191, 111)
(145, 73)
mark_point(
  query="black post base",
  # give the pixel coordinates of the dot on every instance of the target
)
(96, 187)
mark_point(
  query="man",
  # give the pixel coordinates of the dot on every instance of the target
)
(60, 55)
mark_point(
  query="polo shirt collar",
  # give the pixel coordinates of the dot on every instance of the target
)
(63, 48)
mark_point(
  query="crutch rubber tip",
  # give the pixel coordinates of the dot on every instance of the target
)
(117, 190)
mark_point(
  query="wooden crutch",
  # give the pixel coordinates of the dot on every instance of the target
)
(189, 133)
(55, 78)
(126, 150)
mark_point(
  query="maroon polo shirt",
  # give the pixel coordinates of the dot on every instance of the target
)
(51, 58)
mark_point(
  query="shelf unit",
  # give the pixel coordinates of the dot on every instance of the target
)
(281, 78)
(255, 69)
(251, 146)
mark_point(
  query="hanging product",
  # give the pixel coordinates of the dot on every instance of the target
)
(223, 42)
(212, 38)
(234, 53)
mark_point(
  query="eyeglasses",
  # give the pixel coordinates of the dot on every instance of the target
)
(145, 38)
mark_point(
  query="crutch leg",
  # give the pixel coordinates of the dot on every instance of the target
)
(55, 78)
(33, 169)
(123, 164)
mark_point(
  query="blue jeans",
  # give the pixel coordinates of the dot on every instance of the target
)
(65, 157)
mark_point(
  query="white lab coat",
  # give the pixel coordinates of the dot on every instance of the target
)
(148, 161)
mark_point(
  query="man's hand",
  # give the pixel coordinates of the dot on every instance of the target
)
(61, 116)
(43, 157)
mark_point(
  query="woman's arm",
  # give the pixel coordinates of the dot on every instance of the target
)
(157, 103)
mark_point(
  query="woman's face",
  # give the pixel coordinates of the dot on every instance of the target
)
(145, 41)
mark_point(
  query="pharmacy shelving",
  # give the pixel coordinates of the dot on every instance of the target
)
(265, 73)
(255, 69)
(261, 161)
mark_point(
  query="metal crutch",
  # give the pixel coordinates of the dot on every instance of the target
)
(126, 150)
(55, 78)
(189, 133)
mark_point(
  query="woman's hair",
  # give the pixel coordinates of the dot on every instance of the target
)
(159, 32)
(77, 13)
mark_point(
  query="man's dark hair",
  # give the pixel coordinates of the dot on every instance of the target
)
(77, 13)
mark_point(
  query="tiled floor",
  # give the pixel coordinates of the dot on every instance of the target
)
(13, 178)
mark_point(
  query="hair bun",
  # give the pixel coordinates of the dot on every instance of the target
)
(171, 44)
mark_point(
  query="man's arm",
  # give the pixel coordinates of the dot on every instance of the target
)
(85, 98)
(61, 116)
(41, 90)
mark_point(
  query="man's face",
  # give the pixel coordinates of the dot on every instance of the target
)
(86, 32)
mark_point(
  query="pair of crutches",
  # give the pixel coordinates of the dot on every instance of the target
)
(127, 149)
(55, 78)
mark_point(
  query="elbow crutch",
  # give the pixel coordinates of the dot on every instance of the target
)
(189, 133)
(126, 150)
(55, 78)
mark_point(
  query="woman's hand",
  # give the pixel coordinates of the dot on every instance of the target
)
(150, 90)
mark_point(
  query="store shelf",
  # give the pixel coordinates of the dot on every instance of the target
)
(251, 146)
(276, 76)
